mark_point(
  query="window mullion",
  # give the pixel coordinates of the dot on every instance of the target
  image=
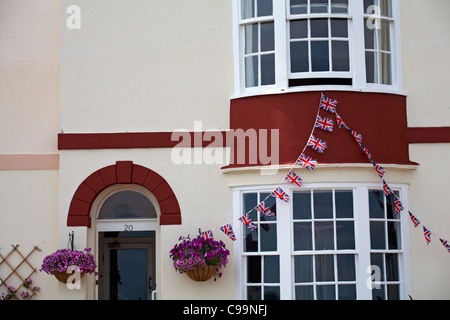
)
(281, 38)
(285, 248)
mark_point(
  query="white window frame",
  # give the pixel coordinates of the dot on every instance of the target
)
(285, 238)
(357, 72)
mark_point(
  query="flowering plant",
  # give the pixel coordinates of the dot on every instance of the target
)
(27, 294)
(188, 254)
(66, 259)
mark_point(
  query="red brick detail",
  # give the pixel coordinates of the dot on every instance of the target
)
(122, 172)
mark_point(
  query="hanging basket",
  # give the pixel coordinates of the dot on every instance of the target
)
(64, 276)
(201, 273)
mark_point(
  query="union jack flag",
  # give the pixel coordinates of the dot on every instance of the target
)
(414, 220)
(317, 144)
(340, 122)
(306, 162)
(387, 190)
(248, 222)
(228, 230)
(379, 169)
(445, 244)
(366, 151)
(427, 234)
(327, 104)
(294, 179)
(280, 194)
(208, 235)
(356, 135)
(324, 123)
(264, 209)
(398, 205)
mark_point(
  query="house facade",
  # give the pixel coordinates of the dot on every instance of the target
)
(131, 123)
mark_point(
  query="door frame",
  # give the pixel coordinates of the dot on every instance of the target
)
(125, 225)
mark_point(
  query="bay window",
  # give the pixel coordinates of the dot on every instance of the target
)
(295, 43)
(340, 242)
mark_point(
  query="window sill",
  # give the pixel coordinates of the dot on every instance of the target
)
(271, 90)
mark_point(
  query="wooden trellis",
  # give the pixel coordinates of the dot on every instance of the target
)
(15, 270)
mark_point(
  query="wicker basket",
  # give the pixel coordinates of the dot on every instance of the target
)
(201, 273)
(64, 276)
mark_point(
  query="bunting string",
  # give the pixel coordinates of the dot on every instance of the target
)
(327, 125)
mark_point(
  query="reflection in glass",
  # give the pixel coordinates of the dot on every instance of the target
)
(127, 205)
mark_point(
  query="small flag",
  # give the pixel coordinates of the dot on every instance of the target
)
(340, 122)
(387, 190)
(379, 169)
(324, 123)
(356, 135)
(248, 222)
(208, 235)
(398, 205)
(228, 230)
(327, 104)
(366, 151)
(445, 244)
(414, 220)
(317, 144)
(280, 194)
(294, 179)
(264, 209)
(427, 234)
(306, 162)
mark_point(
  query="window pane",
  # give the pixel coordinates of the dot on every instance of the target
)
(344, 204)
(371, 67)
(319, 28)
(324, 235)
(323, 204)
(346, 267)
(326, 292)
(254, 293)
(302, 205)
(386, 77)
(367, 4)
(392, 267)
(319, 6)
(250, 240)
(304, 293)
(299, 56)
(253, 269)
(247, 9)
(386, 8)
(384, 37)
(324, 268)
(339, 6)
(302, 236)
(299, 29)
(320, 56)
(250, 200)
(347, 292)
(394, 239)
(369, 37)
(377, 260)
(340, 56)
(265, 8)
(299, 7)
(303, 267)
(251, 72)
(378, 293)
(268, 234)
(345, 235)
(339, 28)
(251, 38)
(390, 208)
(271, 269)
(267, 37)
(393, 292)
(267, 69)
(377, 235)
(271, 203)
(376, 204)
(127, 204)
(271, 293)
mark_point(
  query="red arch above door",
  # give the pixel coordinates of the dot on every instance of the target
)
(123, 172)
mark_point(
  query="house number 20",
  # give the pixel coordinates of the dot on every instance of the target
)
(127, 227)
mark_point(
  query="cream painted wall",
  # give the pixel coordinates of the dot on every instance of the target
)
(426, 47)
(146, 65)
(29, 76)
(205, 201)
